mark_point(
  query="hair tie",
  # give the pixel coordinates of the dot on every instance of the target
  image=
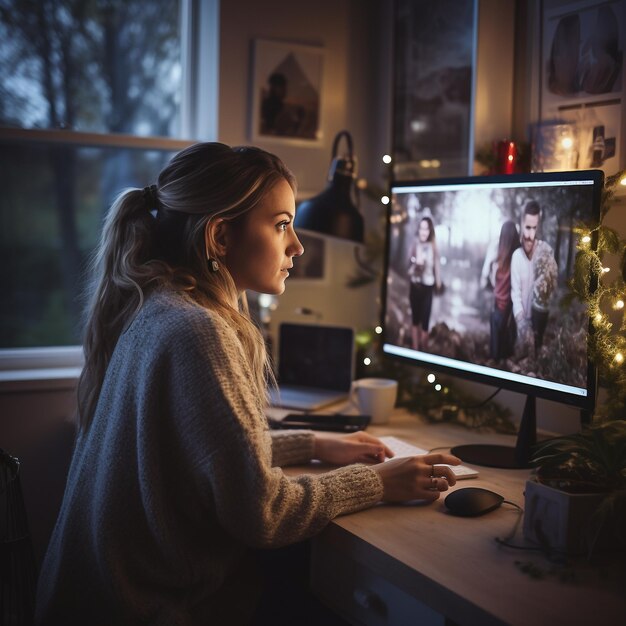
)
(150, 199)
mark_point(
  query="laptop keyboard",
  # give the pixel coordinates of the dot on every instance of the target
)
(403, 449)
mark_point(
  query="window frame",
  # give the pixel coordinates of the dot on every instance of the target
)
(59, 366)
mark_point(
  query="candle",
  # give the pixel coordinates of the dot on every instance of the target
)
(507, 157)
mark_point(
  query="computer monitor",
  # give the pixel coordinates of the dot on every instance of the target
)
(476, 269)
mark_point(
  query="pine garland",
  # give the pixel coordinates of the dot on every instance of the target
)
(590, 285)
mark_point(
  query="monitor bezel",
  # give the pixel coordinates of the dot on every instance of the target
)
(586, 403)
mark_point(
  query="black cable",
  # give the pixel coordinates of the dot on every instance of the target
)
(483, 402)
(507, 539)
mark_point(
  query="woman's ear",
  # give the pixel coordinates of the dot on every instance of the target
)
(216, 236)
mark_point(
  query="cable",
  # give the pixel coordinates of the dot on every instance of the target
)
(555, 556)
(507, 539)
(483, 402)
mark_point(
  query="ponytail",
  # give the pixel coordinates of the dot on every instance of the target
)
(121, 268)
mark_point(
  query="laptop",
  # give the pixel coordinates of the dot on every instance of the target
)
(315, 366)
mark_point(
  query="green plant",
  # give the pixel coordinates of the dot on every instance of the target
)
(592, 461)
(604, 298)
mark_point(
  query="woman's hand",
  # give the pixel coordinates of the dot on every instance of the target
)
(356, 447)
(416, 477)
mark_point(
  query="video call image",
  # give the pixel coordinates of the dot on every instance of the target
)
(476, 273)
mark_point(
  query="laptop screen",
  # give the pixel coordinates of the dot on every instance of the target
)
(316, 356)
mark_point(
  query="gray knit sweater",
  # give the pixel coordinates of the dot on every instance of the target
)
(177, 474)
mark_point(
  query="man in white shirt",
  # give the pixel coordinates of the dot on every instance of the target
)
(530, 288)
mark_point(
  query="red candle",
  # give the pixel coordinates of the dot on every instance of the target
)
(507, 157)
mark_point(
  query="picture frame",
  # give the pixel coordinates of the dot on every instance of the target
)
(582, 75)
(311, 266)
(433, 91)
(287, 94)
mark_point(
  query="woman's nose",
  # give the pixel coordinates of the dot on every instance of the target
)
(296, 248)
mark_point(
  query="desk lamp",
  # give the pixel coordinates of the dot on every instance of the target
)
(332, 212)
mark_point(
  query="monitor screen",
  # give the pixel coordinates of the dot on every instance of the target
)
(476, 269)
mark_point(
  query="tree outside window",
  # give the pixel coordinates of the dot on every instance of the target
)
(91, 101)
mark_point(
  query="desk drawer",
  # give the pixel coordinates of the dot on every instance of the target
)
(362, 596)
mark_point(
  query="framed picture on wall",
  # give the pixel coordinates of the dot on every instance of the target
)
(582, 81)
(434, 67)
(286, 93)
(311, 266)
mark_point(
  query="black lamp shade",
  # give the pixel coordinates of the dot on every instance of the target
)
(332, 212)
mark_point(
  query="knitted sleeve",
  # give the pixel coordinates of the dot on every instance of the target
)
(291, 447)
(224, 436)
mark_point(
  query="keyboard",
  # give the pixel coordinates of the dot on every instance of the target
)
(402, 449)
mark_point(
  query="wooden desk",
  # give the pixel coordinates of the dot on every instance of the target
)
(410, 564)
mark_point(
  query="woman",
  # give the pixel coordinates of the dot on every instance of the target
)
(425, 276)
(502, 323)
(175, 472)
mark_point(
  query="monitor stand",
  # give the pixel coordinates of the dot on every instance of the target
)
(505, 457)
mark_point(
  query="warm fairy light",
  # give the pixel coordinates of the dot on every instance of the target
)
(619, 304)
(586, 239)
(619, 357)
(598, 317)
(430, 378)
(265, 300)
(367, 360)
(623, 181)
(361, 183)
(385, 199)
(606, 269)
(430, 163)
(386, 158)
(437, 387)
(378, 330)
(567, 143)
(510, 158)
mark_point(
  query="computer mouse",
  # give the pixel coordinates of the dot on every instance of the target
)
(472, 501)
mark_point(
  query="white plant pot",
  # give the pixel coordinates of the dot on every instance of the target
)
(559, 519)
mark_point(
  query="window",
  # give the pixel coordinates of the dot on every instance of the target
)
(95, 96)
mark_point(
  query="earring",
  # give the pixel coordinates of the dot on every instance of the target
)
(214, 266)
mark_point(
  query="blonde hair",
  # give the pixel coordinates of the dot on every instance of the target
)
(142, 249)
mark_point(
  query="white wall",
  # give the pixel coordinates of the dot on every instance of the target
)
(355, 35)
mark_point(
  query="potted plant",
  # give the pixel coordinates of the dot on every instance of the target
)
(576, 501)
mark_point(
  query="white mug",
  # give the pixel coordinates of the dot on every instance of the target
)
(375, 397)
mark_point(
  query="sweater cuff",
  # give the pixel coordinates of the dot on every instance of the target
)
(353, 488)
(292, 447)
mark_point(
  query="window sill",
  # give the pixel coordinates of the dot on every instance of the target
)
(40, 369)
(48, 379)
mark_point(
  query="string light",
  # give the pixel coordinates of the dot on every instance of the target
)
(619, 357)
(605, 270)
(437, 387)
(385, 199)
(386, 159)
(586, 239)
(367, 360)
(619, 304)
(378, 330)
(430, 378)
